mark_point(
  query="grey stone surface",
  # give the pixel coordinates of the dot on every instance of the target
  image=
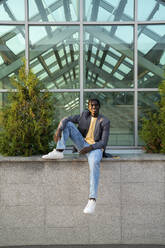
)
(142, 193)
(109, 193)
(19, 236)
(134, 234)
(143, 213)
(110, 172)
(22, 195)
(148, 215)
(107, 234)
(22, 216)
(104, 216)
(124, 156)
(66, 183)
(65, 216)
(143, 172)
(57, 172)
(78, 235)
(64, 195)
(23, 173)
(42, 202)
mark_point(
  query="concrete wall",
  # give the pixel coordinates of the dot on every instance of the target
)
(42, 202)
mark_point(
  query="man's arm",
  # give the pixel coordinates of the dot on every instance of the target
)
(62, 124)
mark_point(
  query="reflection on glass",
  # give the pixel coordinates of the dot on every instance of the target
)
(12, 50)
(53, 10)
(12, 10)
(54, 56)
(110, 10)
(151, 55)
(3, 102)
(152, 10)
(66, 104)
(3, 99)
(108, 55)
(118, 108)
(146, 103)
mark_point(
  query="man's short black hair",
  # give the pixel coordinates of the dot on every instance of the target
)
(94, 99)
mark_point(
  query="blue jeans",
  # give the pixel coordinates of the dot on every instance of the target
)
(94, 157)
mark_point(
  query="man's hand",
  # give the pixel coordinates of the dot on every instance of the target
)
(86, 150)
(57, 135)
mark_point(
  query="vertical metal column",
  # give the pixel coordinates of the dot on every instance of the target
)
(26, 35)
(81, 58)
(136, 73)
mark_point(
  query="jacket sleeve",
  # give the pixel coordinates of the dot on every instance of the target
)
(75, 119)
(104, 137)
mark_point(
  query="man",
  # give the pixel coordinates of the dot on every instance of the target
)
(90, 138)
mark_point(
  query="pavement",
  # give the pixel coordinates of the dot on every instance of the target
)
(89, 246)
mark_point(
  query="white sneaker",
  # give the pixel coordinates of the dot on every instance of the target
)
(90, 207)
(54, 155)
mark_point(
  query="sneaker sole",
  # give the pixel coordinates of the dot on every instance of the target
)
(88, 212)
(53, 158)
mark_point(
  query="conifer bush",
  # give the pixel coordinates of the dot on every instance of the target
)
(28, 117)
(153, 126)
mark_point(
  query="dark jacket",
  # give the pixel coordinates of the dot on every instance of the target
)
(101, 132)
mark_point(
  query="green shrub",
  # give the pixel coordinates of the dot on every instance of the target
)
(27, 118)
(153, 126)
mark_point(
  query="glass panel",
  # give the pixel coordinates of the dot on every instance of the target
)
(66, 104)
(3, 100)
(146, 103)
(9, 10)
(110, 10)
(108, 55)
(12, 50)
(54, 10)
(118, 108)
(153, 11)
(54, 55)
(151, 55)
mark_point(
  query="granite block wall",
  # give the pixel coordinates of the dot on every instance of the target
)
(42, 202)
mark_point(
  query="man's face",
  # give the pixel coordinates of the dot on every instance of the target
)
(94, 108)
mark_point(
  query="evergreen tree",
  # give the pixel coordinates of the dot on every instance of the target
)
(153, 126)
(28, 118)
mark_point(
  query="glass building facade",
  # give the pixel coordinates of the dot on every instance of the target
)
(113, 50)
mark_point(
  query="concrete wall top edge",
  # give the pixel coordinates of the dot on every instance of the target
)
(77, 158)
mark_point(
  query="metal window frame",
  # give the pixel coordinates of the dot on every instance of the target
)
(135, 74)
(27, 23)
